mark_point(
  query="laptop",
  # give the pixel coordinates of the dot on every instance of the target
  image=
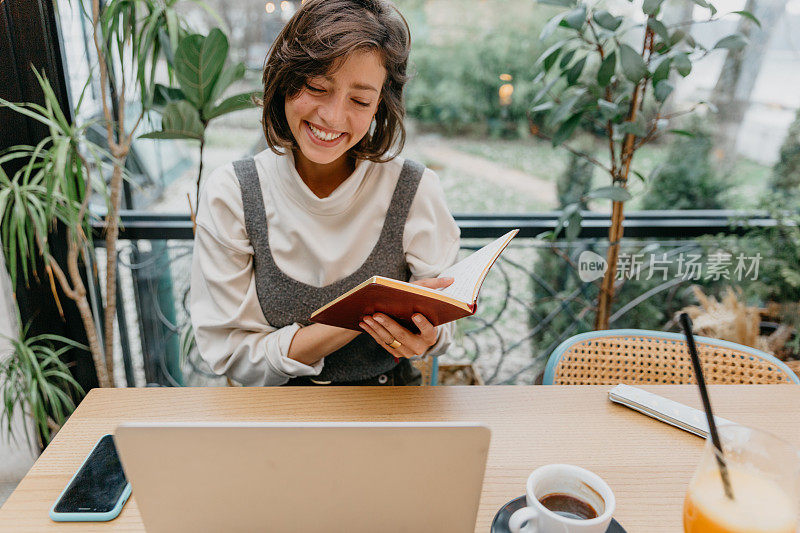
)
(305, 477)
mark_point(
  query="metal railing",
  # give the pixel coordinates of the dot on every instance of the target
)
(533, 298)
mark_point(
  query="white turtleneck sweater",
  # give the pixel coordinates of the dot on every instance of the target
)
(314, 240)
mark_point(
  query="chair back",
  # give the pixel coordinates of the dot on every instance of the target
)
(636, 356)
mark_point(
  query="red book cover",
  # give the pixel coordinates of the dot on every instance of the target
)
(398, 302)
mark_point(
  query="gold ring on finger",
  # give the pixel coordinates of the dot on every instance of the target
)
(394, 344)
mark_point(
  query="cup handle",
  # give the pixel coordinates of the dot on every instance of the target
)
(520, 517)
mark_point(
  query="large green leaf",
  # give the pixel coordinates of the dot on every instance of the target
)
(163, 95)
(551, 26)
(179, 121)
(547, 106)
(575, 70)
(676, 37)
(549, 56)
(707, 5)
(658, 27)
(651, 7)
(682, 64)
(606, 20)
(229, 74)
(198, 63)
(567, 128)
(576, 18)
(748, 15)
(173, 28)
(632, 63)
(662, 70)
(234, 103)
(606, 70)
(663, 89)
(732, 42)
(566, 59)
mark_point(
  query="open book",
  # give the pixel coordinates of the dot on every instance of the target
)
(400, 299)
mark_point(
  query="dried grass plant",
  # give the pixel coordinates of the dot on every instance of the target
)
(731, 319)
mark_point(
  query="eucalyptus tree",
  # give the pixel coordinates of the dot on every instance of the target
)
(611, 73)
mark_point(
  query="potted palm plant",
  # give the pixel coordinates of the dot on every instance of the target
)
(58, 179)
(62, 173)
(35, 381)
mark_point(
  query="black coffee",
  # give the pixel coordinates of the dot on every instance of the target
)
(568, 506)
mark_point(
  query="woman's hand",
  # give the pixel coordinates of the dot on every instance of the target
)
(386, 331)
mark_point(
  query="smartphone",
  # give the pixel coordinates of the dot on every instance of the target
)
(97, 491)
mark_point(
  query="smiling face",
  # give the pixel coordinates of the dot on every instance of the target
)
(332, 113)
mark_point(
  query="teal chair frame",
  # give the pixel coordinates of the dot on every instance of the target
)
(555, 357)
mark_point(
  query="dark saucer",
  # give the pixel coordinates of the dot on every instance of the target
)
(500, 522)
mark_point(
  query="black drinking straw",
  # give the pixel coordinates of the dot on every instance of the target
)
(701, 382)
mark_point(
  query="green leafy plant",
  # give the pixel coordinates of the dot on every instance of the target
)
(203, 78)
(55, 184)
(596, 75)
(131, 38)
(154, 29)
(35, 380)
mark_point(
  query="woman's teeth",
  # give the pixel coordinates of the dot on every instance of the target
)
(323, 136)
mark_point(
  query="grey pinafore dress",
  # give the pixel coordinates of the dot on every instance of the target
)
(285, 300)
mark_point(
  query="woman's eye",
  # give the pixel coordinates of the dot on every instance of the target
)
(314, 89)
(362, 104)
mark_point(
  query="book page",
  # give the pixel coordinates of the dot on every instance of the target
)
(470, 272)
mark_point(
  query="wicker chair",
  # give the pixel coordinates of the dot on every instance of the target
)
(639, 356)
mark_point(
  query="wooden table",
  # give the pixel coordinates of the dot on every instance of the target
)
(648, 464)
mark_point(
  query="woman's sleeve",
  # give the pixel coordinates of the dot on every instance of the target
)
(230, 329)
(431, 241)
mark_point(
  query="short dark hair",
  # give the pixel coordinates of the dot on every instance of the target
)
(314, 42)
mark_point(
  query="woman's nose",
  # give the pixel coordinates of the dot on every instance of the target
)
(332, 112)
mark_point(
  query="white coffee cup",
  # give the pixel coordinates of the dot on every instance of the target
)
(563, 479)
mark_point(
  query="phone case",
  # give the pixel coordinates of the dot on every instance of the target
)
(89, 517)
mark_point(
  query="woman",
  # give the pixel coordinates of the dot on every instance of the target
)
(326, 207)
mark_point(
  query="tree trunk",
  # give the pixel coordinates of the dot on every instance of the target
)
(735, 84)
(112, 232)
(620, 177)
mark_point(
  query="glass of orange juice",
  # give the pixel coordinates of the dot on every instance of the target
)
(764, 472)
